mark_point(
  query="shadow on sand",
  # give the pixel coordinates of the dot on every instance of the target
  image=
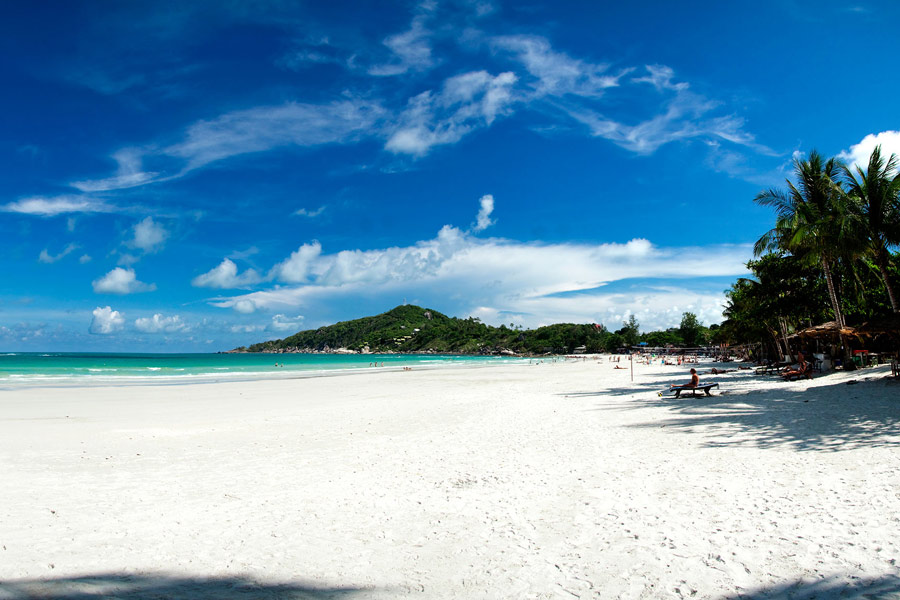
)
(156, 587)
(829, 417)
(656, 382)
(829, 588)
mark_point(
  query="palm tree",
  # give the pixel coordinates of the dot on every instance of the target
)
(875, 195)
(812, 221)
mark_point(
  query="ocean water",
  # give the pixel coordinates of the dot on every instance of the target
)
(73, 368)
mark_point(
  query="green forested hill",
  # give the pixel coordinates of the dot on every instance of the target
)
(415, 329)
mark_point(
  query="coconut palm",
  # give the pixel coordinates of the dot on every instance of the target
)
(875, 196)
(812, 221)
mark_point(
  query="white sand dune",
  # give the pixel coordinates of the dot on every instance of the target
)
(548, 481)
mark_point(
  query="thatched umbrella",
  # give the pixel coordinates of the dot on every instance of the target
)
(826, 330)
(889, 325)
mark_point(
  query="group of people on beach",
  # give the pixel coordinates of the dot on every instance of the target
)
(800, 369)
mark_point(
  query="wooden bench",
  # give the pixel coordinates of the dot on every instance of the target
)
(705, 387)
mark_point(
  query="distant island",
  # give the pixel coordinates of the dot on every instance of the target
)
(413, 329)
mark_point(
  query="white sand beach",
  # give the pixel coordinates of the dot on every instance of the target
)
(563, 480)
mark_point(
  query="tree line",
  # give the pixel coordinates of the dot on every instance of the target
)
(829, 256)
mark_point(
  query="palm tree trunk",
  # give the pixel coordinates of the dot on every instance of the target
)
(832, 293)
(846, 357)
(787, 348)
(777, 343)
(881, 259)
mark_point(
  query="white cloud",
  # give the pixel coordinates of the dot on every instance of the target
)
(296, 268)
(858, 154)
(84, 258)
(225, 276)
(46, 257)
(244, 306)
(539, 283)
(121, 281)
(466, 102)
(49, 207)
(106, 321)
(483, 220)
(285, 323)
(246, 328)
(160, 324)
(126, 259)
(311, 213)
(149, 235)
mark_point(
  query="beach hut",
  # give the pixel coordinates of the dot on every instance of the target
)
(828, 336)
(889, 326)
(881, 336)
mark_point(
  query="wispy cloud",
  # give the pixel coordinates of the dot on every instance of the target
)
(243, 132)
(308, 212)
(685, 115)
(411, 49)
(268, 127)
(660, 77)
(46, 257)
(466, 102)
(130, 173)
(58, 205)
(544, 80)
(555, 73)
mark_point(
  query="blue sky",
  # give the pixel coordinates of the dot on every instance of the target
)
(200, 175)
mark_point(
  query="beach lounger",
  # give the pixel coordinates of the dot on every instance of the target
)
(771, 368)
(704, 387)
(793, 375)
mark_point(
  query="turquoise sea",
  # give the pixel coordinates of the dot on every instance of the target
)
(74, 368)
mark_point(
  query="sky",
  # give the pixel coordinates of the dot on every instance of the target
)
(196, 176)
